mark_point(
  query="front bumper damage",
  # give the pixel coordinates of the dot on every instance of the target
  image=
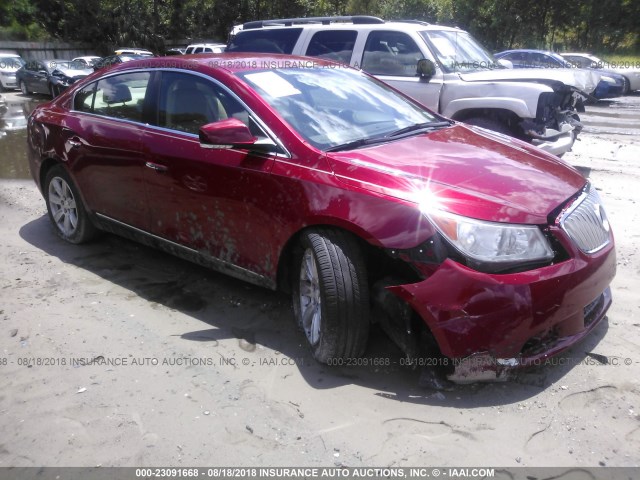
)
(489, 325)
(557, 123)
(556, 143)
(483, 366)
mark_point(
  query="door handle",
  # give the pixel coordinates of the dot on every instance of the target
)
(156, 167)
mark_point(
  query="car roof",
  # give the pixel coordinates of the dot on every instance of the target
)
(230, 62)
(7, 54)
(414, 26)
(581, 54)
(129, 51)
(210, 44)
(530, 50)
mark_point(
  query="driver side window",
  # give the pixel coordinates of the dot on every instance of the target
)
(187, 102)
(391, 53)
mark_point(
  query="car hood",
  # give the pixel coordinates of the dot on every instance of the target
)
(464, 170)
(75, 72)
(582, 79)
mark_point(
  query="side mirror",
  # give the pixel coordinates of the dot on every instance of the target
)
(232, 133)
(505, 63)
(426, 68)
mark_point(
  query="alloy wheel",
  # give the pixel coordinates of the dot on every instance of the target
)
(63, 206)
(310, 299)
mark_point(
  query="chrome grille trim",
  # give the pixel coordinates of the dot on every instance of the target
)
(586, 223)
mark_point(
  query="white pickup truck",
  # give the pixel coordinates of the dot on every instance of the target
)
(444, 68)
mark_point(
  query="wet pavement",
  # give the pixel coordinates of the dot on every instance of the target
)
(615, 117)
(13, 133)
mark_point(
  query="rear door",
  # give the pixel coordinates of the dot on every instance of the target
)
(103, 143)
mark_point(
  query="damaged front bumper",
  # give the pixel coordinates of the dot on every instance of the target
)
(483, 366)
(557, 123)
(491, 324)
(554, 141)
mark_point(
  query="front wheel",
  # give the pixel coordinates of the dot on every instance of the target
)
(331, 295)
(23, 88)
(626, 86)
(66, 211)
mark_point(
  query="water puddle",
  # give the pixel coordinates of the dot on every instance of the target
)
(13, 134)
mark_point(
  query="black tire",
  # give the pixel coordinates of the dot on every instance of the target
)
(341, 303)
(626, 86)
(66, 210)
(490, 124)
(23, 88)
(53, 91)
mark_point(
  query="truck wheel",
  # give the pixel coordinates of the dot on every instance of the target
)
(66, 210)
(331, 294)
(490, 124)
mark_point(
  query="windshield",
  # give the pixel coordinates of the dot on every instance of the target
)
(331, 107)
(458, 51)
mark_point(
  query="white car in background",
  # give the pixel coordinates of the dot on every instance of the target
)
(133, 51)
(10, 63)
(205, 48)
(88, 60)
(630, 72)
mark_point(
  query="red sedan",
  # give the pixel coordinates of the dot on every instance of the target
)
(467, 246)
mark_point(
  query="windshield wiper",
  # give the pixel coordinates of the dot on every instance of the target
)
(361, 142)
(419, 127)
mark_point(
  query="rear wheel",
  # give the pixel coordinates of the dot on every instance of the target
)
(331, 295)
(66, 211)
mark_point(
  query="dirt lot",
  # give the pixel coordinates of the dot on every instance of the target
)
(113, 354)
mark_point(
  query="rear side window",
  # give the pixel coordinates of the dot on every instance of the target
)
(391, 53)
(518, 59)
(119, 96)
(281, 40)
(336, 45)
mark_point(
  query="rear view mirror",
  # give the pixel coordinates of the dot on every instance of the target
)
(505, 63)
(232, 133)
(426, 68)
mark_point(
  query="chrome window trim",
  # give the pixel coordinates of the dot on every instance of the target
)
(252, 114)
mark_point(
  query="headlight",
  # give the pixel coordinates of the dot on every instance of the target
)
(496, 243)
